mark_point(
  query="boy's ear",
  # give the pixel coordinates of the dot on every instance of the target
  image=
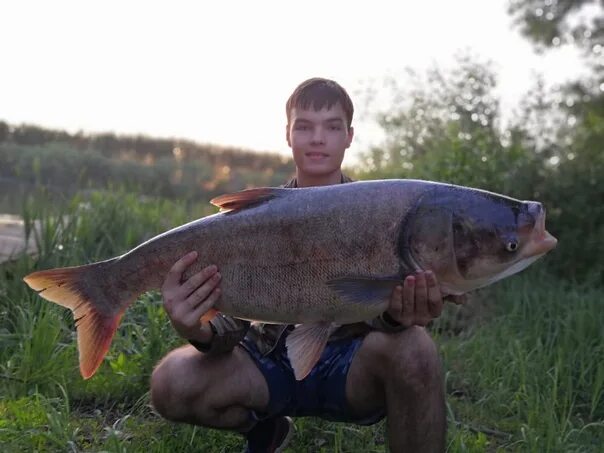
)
(350, 136)
(289, 143)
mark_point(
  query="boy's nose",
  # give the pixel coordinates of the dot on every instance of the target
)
(318, 137)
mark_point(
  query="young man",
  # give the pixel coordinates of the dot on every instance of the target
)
(236, 376)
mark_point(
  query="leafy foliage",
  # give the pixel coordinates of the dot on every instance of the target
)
(35, 157)
(551, 23)
(448, 127)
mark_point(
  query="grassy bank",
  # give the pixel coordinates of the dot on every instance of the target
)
(524, 360)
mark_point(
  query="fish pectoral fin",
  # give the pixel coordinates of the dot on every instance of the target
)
(305, 344)
(245, 198)
(364, 291)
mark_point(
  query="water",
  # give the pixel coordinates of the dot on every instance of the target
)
(15, 192)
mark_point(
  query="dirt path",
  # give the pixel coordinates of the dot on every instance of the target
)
(12, 238)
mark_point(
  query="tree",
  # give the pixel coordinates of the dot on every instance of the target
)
(551, 23)
(446, 126)
(4, 131)
(575, 155)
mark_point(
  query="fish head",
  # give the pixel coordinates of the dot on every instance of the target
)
(472, 238)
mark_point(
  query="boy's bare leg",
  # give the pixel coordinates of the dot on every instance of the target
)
(401, 372)
(213, 391)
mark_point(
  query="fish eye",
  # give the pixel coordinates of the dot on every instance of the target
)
(511, 246)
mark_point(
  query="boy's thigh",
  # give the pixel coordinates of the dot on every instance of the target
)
(236, 380)
(364, 387)
(387, 357)
(218, 381)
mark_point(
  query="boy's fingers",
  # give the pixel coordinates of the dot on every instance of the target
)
(198, 279)
(421, 292)
(435, 300)
(207, 304)
(199, 296)
(408, 310)
(175, 272)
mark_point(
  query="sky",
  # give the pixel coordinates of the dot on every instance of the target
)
(220, 72)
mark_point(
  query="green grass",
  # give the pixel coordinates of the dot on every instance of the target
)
(533, 372)
(524, 360)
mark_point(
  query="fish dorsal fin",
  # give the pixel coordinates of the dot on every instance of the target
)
(305, 344)
(245, 198)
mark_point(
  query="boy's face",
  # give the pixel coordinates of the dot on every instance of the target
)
(318, 139)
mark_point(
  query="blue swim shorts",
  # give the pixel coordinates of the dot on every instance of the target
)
(320, 394)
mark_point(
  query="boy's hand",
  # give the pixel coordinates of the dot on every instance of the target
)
(418, 301)
(187, 301)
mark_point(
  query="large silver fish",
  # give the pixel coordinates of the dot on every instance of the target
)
(318, 257)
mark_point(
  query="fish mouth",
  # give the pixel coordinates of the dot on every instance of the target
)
(540, 241)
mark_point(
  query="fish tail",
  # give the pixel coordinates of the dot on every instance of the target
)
(93, 294)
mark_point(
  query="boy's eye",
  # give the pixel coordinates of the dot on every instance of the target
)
(335, 128)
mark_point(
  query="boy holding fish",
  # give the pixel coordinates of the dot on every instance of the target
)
(237, 376)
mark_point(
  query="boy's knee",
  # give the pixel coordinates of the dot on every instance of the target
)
(171, 391)
(409, 357)
(161, 386)
(420, 362)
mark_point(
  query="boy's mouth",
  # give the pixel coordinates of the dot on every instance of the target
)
(315, 155)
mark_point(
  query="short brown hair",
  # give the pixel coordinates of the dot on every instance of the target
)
(319, 93)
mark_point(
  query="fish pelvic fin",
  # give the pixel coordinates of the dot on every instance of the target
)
(209, 315)
(91, 297)
(305, 344)
(246, 198)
